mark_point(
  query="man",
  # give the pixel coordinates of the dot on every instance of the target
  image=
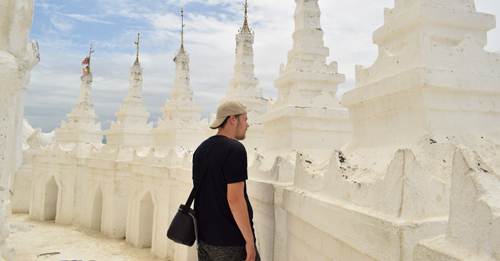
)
(225, 226)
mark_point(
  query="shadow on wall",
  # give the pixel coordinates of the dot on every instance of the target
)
(146, 212)
(97, 210)
(50, 205)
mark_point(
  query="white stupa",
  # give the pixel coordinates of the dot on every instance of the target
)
(244, 87)
(427, 126)
(81, 126)
(131, 127)
(426, 129)
(181, 125)
(307, 105)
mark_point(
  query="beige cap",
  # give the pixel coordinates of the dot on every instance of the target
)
(226, 109)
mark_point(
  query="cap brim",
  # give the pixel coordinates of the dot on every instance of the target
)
(217, 123)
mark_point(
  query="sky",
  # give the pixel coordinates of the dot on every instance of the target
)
(65, 29)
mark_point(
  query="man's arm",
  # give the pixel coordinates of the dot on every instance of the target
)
(238, 205)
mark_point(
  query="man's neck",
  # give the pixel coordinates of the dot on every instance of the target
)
(225, 132)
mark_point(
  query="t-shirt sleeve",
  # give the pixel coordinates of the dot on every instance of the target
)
(235, 169)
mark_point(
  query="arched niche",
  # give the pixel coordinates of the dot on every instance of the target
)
(97, 205)
(146, 212)
(50, 199)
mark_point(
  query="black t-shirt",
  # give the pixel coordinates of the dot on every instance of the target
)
(216, 224)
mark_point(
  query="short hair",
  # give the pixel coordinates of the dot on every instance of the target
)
(225, 121)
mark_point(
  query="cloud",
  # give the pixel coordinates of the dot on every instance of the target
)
(161, 22)
(43, 5)
(86, 18)
(61, 23)
(205, 2)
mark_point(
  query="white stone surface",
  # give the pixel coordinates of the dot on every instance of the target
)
(45, 138)
(24, 175)
(306, 115)
(160, 182)
(431, 88)
(473, 231)
(106, 191)
(17, 58)
(59, 176)
(29, 238)
(22, 185)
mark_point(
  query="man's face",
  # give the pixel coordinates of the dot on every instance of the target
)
(241, 127)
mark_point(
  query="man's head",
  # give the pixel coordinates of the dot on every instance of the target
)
(231, 120)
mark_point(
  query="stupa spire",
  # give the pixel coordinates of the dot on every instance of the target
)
(137, 43)
(90, 56)
(86, 62)
(308, 42)
(182, 31)
(181, 59)
(245, 28)
(181, 125)
(86, 85)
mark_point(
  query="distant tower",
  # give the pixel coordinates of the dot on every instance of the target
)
(243, 86)
(181, 125)
(132, 126)
(81, 126)
(307, 113)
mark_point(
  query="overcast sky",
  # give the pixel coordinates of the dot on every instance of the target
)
(65, 29)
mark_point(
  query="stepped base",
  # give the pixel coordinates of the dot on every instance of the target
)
(129, 137)
(172, 137)
(302, 127)
(78, 135)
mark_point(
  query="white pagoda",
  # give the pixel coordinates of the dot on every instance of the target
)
(131, 127)
(81, 125)
(181, 125)
(307, 105)
(244, 86)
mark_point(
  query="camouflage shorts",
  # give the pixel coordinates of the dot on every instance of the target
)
(223, 253)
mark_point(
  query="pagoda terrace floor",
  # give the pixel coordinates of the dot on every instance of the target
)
(36, 240)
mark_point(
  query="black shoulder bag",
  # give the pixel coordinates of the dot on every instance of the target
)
(184, 227)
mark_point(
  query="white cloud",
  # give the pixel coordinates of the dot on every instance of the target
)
(61, 23)
(86, 18)
(43, 5)
(161, 22)
(206, 2)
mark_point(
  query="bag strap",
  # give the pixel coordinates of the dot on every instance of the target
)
(200, 178)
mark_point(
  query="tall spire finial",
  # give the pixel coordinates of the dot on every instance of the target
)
(182, 32)
(86, 61)
(245, 28)
(246, 11)
(90, 56)
(137, 43)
